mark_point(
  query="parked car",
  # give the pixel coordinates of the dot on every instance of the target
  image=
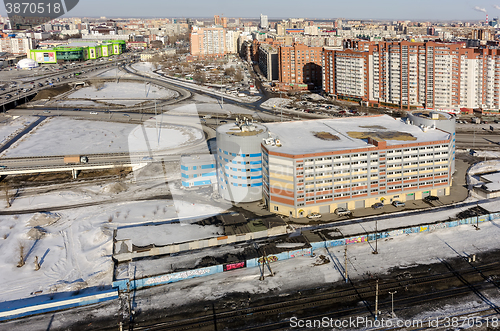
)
(77, 109)
(342, 211)
(127, 115)
(314, 215)
(46, 111)
(398, 203)
(377, 205)
(431, 198)
(94, 113)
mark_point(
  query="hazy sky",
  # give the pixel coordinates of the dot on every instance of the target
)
(355, 9)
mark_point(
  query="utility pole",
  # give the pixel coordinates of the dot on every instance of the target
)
(392, 302)
(477, 217)
(376, 301)
(376, 239)
(345, 263)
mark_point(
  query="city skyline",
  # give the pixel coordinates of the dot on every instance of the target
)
(365, 9)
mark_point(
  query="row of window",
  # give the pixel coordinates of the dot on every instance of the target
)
(240, 155)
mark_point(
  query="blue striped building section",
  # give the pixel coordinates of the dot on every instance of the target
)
(198, 170)
(17, 309)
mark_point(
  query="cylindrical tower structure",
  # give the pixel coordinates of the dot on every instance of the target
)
(439, 120)
(239, 160)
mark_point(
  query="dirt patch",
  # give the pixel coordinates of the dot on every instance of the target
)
(245, 133)
(382, 135)
(379, 127)
(64, 177)
(325, 136)
(52, 92)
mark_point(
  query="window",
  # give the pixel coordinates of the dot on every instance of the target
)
(275, 208)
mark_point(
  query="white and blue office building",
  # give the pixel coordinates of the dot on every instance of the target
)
(239, 161)
(198, 170)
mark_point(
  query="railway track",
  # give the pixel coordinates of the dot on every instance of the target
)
(351, 295)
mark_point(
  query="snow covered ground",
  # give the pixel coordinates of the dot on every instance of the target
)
(112, 73)
(62, 136)
(149, 67)
(117, 93)
(74, 246)
(10, 127)
(301, 272)
(143, 66)
(80, 103)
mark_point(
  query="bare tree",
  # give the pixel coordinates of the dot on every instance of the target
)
(230, 71)
(200, 77)
(6, 189)
(239, 76)
(21, 249)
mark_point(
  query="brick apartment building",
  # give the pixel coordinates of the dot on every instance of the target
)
(412, 75)
(208, 41)
(300, 66)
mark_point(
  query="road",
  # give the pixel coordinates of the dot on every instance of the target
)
(22, 133)
(482, 139)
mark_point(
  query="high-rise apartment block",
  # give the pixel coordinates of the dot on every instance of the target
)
(301, 65)
(208, 41)
(264, 24)
(414, 75)
(16, 45)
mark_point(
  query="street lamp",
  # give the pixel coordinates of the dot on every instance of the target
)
(376, 238)
(392, 303)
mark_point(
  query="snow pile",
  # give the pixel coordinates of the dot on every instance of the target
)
(481, 168)
(114, 188)
(278, 102)
(43, 219)
(315, 97)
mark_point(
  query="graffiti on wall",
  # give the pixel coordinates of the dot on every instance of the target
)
(269, 259)
(233, 266)
(176, 276)
(356, 240)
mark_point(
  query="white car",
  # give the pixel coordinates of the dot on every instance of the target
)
(342, 211)
(94, 113)
(314, 215)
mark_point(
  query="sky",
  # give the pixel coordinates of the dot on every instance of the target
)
(359, 9)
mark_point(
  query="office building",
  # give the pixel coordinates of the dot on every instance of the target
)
(198, 170)
(239, 160)
(321, 165)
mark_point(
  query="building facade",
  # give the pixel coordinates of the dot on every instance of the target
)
(410, 75)
(239, 160)
(321, 165)
(198, 170)
(264, 24)
(300, 65)
(74, 52)
(16, 45)
(208, 41)
(268, 61)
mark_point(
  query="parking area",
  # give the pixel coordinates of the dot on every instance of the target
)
(458, 193)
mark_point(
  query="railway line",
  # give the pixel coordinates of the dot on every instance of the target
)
(447, 284)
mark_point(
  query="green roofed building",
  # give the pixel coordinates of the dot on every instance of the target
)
(78, 51)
